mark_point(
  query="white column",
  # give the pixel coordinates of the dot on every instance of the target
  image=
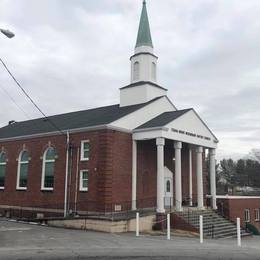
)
(212, 169)
(199, 173)
(134, 173)
(178, 184)
(190, 176)
(160, 174)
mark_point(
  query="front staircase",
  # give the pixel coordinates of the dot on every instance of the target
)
(214, 225)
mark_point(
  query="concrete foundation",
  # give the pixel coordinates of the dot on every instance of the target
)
(109, 226)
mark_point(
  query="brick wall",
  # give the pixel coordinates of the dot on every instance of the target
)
(109, 166)
(233, 208)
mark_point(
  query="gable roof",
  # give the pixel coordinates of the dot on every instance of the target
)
(163, 119)
(74, 120)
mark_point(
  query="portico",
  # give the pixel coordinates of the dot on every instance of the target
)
(181, 127)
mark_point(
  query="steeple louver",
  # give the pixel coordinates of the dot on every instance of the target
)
(144, 34)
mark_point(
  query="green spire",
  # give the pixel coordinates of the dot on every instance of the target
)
(144, 35)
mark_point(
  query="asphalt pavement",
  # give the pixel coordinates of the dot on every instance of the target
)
(21, 241)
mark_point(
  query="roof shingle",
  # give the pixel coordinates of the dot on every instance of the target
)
(163, 119)
(68, 121)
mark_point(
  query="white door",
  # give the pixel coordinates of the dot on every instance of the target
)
(168, 198)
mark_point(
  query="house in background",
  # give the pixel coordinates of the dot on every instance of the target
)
(140, 153)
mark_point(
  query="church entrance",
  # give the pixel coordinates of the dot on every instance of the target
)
(168, 188)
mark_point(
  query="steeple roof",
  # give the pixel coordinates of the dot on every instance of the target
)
(144, 34)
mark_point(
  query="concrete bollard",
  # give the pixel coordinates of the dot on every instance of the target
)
(238, 233)
(201, 229)
(168, 227)
(137, 224)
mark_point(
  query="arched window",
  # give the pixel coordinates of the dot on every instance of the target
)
(136, 70)
(168, 186)
(153, 71)
(22, 172)
(2, 169)
(48, 169)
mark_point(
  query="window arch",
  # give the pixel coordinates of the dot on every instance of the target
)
(154, 71)
(2, 169)
(48, 169)
(22, 172)
(168, 186)
(136, 70)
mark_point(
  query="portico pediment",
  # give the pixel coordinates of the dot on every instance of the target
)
(181, 125)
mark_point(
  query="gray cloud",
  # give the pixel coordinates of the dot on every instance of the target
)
(72, 55)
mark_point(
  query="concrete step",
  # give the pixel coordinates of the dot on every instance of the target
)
(221, 227)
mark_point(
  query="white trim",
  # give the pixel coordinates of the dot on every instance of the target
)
(257, 215)
(44, 161)
(18, 187)
(3, 164)
(237, 197)
(81, 188)
(247, 215)
(82, 158)
(167, 133)
(71, 131)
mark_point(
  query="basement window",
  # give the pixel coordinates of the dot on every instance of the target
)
(257, 215)
(84, 154)
(83, 182)
(247, 215)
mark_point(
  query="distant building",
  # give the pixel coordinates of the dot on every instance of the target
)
(247, 208)
(140, 153)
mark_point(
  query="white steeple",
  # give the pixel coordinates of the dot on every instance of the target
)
(143, 84)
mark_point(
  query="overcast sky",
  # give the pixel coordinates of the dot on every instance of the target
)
(73, 55)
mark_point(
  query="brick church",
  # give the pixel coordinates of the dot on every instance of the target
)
(140, 153)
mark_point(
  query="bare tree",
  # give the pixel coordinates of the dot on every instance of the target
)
(255, 154)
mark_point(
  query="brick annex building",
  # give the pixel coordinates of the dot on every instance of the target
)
(140, 153)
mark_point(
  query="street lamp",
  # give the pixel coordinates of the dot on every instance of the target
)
(7, 33)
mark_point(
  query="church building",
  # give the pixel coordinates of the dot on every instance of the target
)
(141, 153)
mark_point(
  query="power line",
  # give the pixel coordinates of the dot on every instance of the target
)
(6, 92)
(31, 100)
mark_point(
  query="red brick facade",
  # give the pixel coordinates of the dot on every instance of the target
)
(109, 166)
(233, 208)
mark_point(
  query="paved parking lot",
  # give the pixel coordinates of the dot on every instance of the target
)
(25, 241)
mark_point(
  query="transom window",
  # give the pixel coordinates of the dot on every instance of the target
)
(247, 215)
(22, 171)
(83, 185)
(257, 215)
(84, 150)
(2, 169)
(48, 169)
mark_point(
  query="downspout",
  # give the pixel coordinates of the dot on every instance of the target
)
(76, 183)
(70, 176)
(66, 175)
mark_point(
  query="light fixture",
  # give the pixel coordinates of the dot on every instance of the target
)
(7, 33)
